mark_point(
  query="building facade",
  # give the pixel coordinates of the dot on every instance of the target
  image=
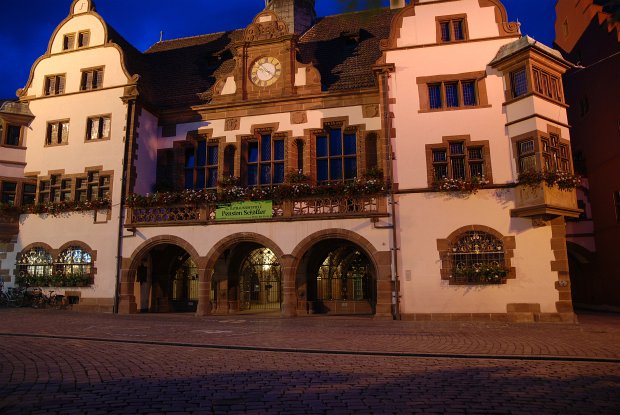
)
(363, 163)
(587, 34)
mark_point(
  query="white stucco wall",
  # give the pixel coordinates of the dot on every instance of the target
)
(426, 292)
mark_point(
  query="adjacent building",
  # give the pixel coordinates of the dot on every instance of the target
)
(362, 163)
(588, 35)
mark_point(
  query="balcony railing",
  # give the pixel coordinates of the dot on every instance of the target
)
(301, 209)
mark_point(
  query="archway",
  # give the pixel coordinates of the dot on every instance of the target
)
(247, 277)
(336, 276)
(166, 280)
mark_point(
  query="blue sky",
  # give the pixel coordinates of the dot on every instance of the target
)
(28, 24)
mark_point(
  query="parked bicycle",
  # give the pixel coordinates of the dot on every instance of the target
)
(13, 297)
(35, 297)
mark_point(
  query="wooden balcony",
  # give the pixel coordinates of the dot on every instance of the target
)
(311, 208)
(545, 202)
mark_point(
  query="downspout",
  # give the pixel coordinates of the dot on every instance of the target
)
(387, 126)
(124, 177)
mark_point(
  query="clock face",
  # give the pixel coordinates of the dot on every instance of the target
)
(265, 71)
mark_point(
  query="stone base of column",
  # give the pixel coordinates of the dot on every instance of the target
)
(127, 305)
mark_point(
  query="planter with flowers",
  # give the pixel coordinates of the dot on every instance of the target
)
(546, 194)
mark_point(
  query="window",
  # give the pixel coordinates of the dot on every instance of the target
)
(94, 186)
(201, 165)
(56, 189)
(54, 85)
(13, 135)
(336, 156)
(98, 128)
(57, 133)
(29, 191)
(555, 155)
(518, 82)
(229, 161)
(83, 39)
(8, 192)
(452, 94)
(265, 161)
(68, 41)
(476, 257)
(92, 79)
(527, 155)
(451, 29)
(36, 262)
(300, 155)
(74, 261)
(457, 160)
(546, 84)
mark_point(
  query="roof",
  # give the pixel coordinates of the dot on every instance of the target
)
(609, 6)
(182, 72)
(522, 44)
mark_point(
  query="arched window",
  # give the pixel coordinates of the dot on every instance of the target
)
(300, 156)
(477, 257)
(74, 261)
(34, 267)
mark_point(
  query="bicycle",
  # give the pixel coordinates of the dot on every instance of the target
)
(13, 297)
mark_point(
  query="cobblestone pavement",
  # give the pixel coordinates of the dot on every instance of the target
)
(97, 363)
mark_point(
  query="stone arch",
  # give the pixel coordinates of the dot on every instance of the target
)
(444, 247)
(129, 266)
(231, 240)
(380, 260)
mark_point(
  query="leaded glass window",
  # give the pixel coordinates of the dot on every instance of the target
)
(36, 262)
(477, 258)
(336, 155)
(74, 261)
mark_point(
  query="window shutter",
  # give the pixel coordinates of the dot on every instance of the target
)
(105, 133)
(98, 78)
(60, 85)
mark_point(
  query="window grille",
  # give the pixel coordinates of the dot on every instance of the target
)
(477, 258)
(36, 262)
(74, 261)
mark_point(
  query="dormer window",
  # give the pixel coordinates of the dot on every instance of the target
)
(451, 28)
(54, 85)
(83, 39)
(91, 79)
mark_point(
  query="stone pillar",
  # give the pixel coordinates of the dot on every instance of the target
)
(204, 292)
(384, 285)
(289, 293)
(564, 305)
(127, 299)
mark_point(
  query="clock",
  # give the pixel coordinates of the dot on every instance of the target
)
(265, 71)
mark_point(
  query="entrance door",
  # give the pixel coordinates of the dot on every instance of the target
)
(185, 287)
(259, 282)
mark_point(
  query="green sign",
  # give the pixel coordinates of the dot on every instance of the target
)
(261, 209)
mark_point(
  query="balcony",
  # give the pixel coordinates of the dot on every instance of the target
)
(545, 202)
(309, 208)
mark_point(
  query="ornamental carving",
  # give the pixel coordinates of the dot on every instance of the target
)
(370, 111)
(299, 117)
(232, 124)
(510, 28)
(265, 31)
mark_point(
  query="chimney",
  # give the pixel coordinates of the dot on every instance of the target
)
(397, 4)
(299, 15)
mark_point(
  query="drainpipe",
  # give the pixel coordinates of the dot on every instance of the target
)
(121, 215)
(387, 125)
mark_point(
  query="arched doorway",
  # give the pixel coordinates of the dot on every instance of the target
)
(166, 280)
(247, 278)
(336, 277)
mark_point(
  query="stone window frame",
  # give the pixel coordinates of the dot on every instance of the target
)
(343, 123)
(54, 84)
(55, 253)
(57, 139)
(444, 248)
(99, 117)
(68, 41)
(83, 39)
(450, 19)
(192, 143)
(95, 83)
(478, 77)
(73, 189)
(539, 138)
(468, 143)
(533, 67)
(5, 127)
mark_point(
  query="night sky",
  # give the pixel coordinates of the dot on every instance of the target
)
(28, 24)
